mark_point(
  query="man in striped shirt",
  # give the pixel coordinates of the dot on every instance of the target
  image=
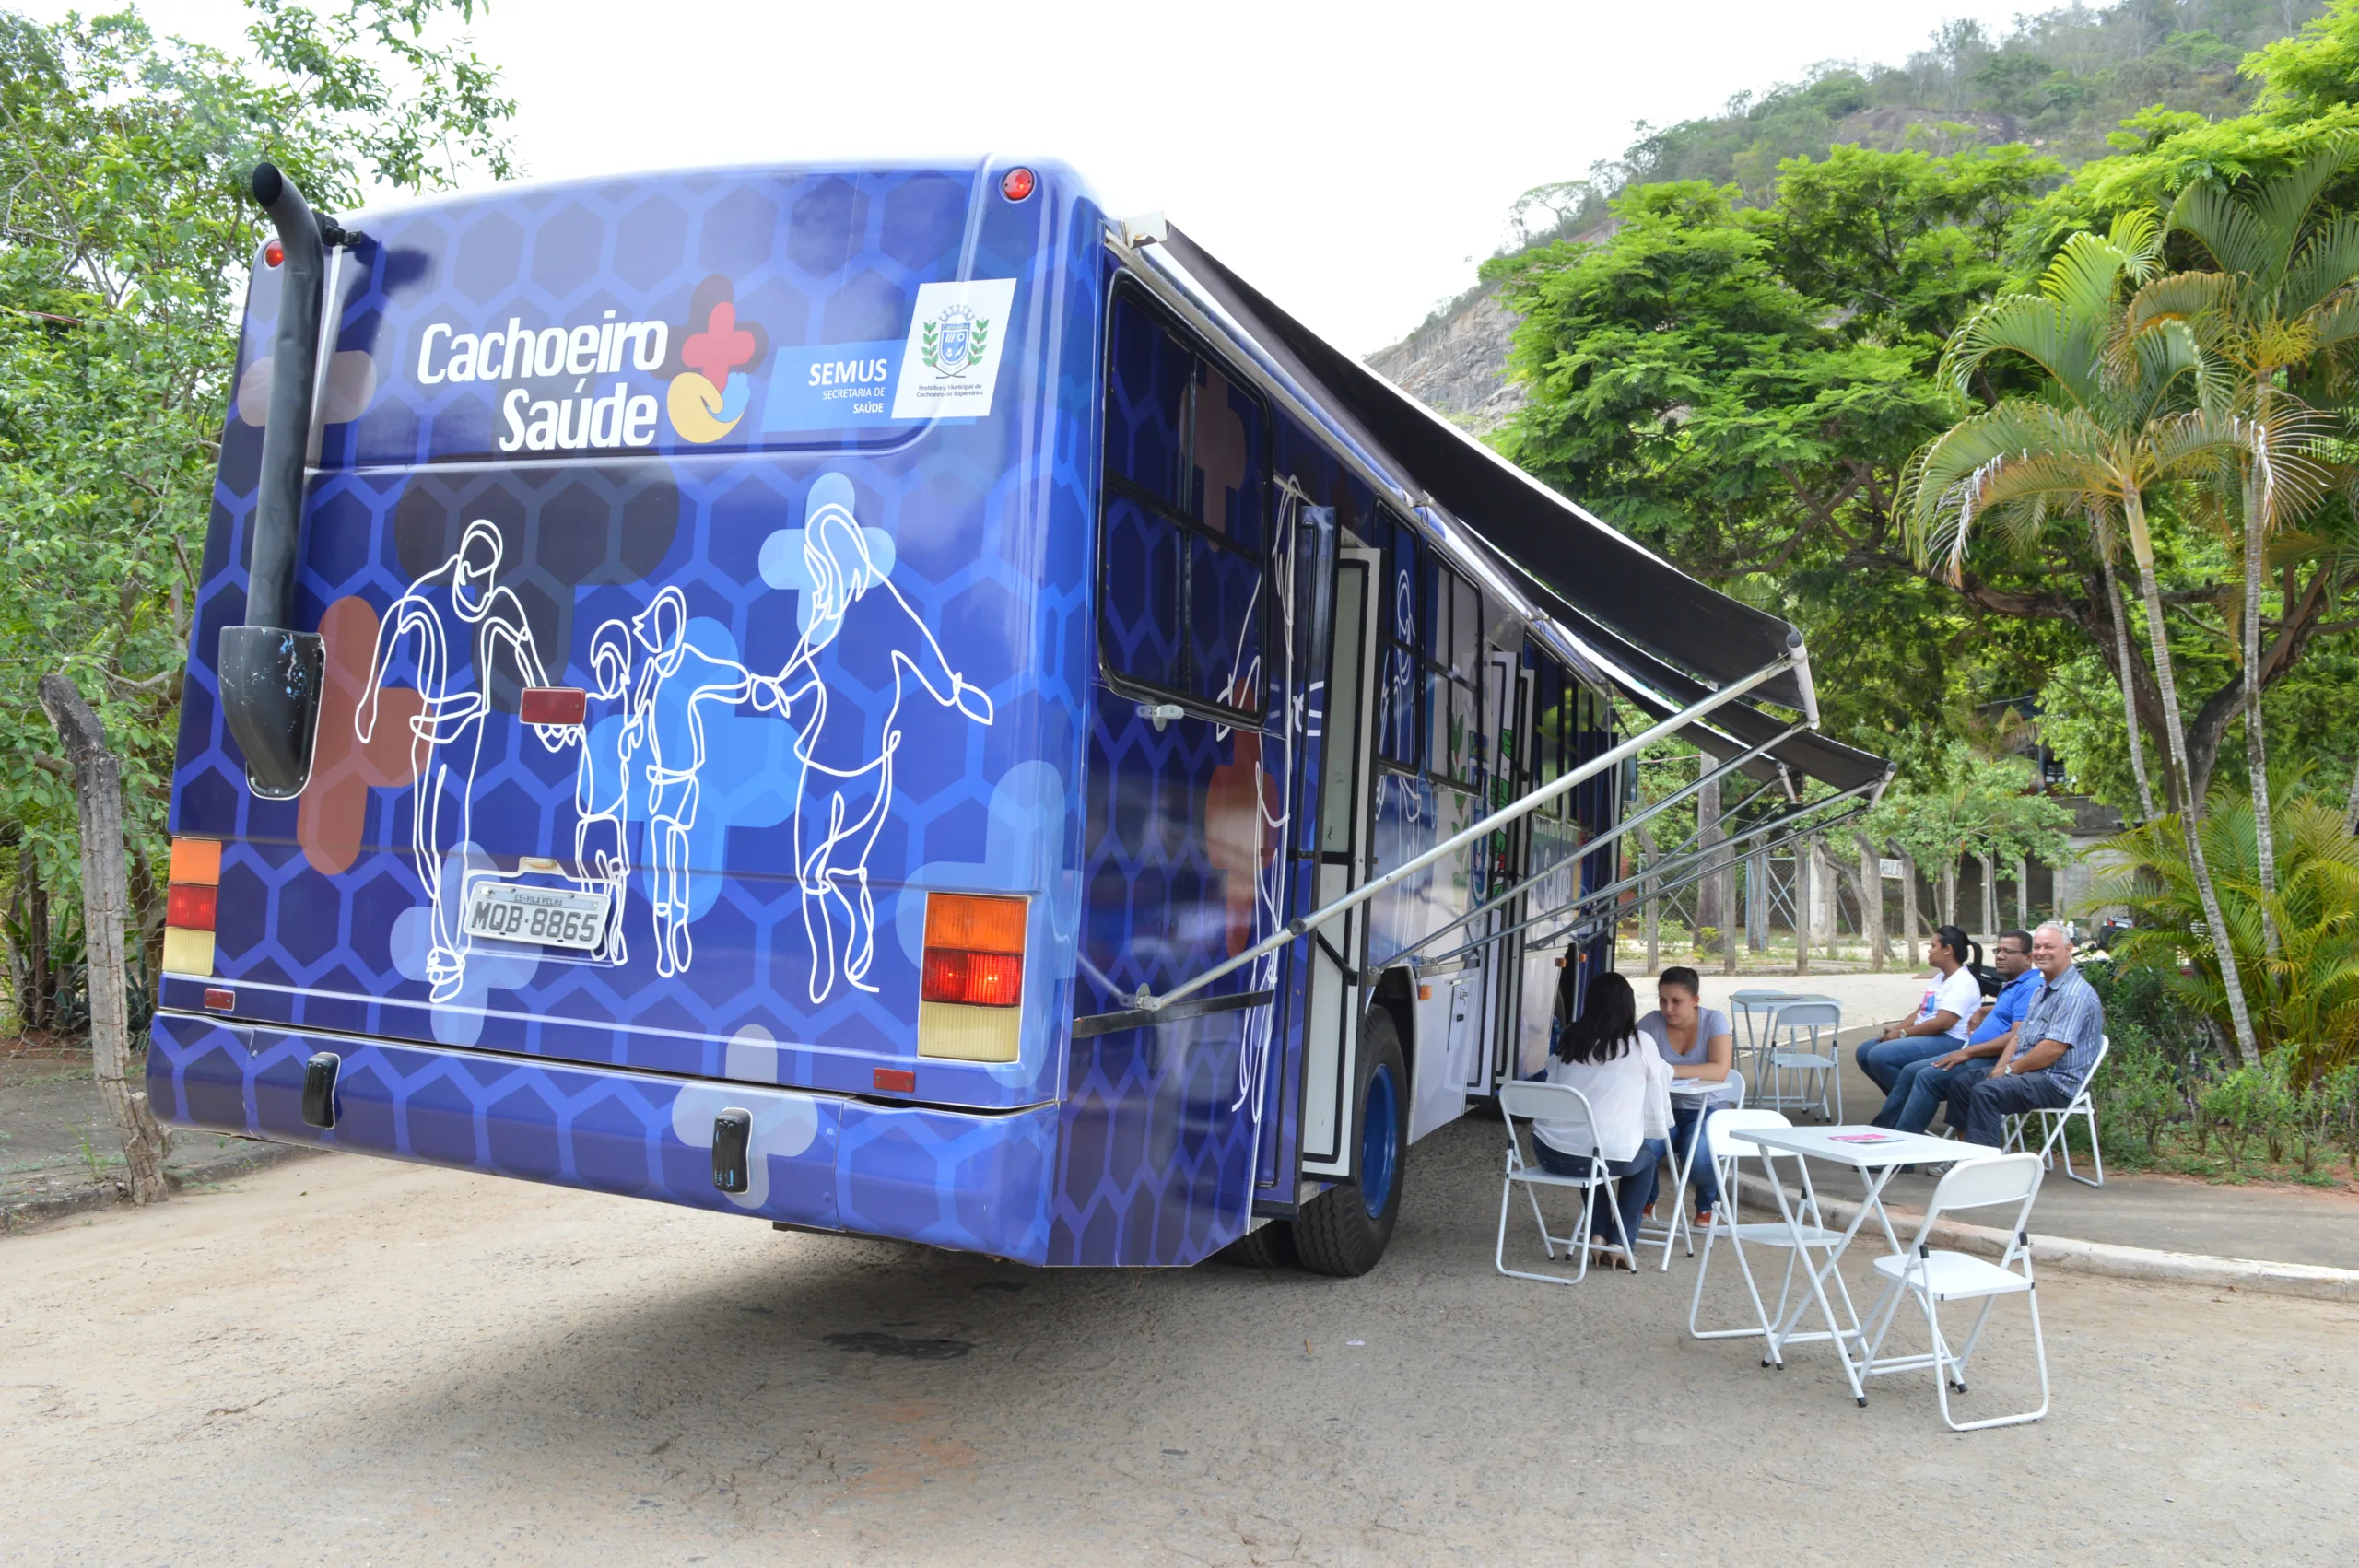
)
(2051, 1054)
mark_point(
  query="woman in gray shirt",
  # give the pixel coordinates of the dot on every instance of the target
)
(1700, 1044)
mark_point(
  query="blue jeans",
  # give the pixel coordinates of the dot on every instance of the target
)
(1882, 1059)
(1923, 1088)
(1686, 1118)
(1634, 1182)
(1979, 1111)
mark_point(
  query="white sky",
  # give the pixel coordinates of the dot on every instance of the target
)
(1354, 160)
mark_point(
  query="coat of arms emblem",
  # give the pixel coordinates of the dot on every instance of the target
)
(955, 341)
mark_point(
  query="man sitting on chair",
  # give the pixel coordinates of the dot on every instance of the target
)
(2054, 1047)
(1921, 1086)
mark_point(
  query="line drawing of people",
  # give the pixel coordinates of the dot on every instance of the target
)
(846, 788)
(447, 734)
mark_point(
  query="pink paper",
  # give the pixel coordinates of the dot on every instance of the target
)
(1862, 1138)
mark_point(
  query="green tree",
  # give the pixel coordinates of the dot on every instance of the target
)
(123, 244)
(2284, 302)
(2304, 999)
(2114, 421)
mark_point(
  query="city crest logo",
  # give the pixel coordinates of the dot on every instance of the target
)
(954, 342)
(958, 334)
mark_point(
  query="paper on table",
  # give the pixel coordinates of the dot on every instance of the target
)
(1862, 1138)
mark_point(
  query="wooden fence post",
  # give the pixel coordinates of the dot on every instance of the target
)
(97, 789)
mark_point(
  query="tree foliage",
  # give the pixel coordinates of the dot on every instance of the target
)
(124, 235)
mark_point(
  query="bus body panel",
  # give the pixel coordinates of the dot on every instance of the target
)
(927, 740)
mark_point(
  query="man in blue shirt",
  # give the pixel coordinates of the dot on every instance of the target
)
(2054, 1047)
(1920, 1087)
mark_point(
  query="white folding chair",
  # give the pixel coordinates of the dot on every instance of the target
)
(1935, 1277)
(1725, 1145)
(2054, 1120)
(1560, 1106)
(1806, 1039)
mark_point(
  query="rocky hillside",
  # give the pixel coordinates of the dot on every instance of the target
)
(1456, 363)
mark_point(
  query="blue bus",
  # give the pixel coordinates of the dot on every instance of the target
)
(890, 701)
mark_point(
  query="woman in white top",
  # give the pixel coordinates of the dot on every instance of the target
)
(1940, 1026)
(1628, 1085)
(1700, 1044)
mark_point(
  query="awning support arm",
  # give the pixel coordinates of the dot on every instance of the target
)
(1147, 1001)
(1710, 853)
(1597, 843)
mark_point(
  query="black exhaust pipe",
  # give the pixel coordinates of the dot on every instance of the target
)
(270, 674)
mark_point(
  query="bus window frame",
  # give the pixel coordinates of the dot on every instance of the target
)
(1111, 485)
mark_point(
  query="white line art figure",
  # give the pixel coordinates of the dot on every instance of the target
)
(846, 788)
(843, 754)
(447, 735)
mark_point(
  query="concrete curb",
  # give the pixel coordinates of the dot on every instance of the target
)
(2101, 1257)
(34, 1213)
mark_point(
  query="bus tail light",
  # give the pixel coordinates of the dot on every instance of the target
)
(190, 902)
(971, 980)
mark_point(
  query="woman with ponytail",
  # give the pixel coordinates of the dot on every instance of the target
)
(1628, 1085)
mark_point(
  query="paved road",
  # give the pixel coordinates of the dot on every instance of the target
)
(356, 1362)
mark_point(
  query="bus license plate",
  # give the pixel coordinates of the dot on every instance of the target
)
(557, 917)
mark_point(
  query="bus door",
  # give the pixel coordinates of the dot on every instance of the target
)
(1339, 947)
(1509, 692)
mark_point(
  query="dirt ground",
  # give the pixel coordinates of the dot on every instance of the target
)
(353, 1362)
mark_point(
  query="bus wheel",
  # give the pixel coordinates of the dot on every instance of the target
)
(1271, 1246)
(1345, 1229)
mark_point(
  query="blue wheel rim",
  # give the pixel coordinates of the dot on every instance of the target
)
(1379, 1142)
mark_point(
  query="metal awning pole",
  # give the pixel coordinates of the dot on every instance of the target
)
(1665, 856)
(1600, 842)
(1147, 1001)
(1710, 853)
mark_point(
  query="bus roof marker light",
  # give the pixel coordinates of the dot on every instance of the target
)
(1017, 183)
(273, 254)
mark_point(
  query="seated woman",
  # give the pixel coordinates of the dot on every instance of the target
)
(1700, 1044)
(1628, 1088)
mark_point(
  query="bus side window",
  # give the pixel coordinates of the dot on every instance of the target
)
(1181, 600)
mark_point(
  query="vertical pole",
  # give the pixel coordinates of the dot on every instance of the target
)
(1711, 909)
(97, 789)
(1805, 897)
(1872, 904)
(2023, 891)
(1651, 894)
(1909, 919)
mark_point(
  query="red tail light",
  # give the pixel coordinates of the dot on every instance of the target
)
(189, 907)
(974, 979)
(1016, 184)
(974, 950)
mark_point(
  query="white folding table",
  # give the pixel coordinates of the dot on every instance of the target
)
(1877, 1155)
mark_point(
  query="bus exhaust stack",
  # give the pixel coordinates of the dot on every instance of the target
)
(270, 675)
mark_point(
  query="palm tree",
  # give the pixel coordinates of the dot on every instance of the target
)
(2123, 410)
(2308, 990)
(2283, 297)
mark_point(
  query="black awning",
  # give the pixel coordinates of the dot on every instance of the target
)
(1580, 559)
(1655, 688)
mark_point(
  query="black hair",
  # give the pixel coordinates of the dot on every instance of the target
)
(1684, 979)
(2021, 939)
(1606, 1025)
(1961, 946)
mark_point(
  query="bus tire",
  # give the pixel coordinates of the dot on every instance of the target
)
(1269, 1246)
(1343, 1231)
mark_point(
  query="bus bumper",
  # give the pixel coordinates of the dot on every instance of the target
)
(967, 1181)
